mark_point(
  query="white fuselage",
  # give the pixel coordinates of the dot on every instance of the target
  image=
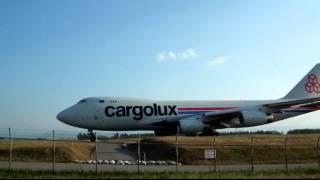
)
(192, 117)
(120, 114)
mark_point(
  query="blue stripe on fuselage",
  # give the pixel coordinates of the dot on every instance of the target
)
(285, 110)
(193, 112)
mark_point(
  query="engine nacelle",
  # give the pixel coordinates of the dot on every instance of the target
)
(191, 126)
(254, 117)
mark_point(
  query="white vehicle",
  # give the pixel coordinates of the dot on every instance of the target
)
(112, 162)
(190, 117)
(164, 163)
(106, 162)
(171, 163)
(89, 161)
(120, 162)
(100, 161)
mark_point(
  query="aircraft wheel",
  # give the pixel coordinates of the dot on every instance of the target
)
(92, 136)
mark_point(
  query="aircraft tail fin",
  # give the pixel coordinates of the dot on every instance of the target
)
(308, 87)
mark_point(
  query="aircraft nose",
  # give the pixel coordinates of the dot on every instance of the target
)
(67, 116)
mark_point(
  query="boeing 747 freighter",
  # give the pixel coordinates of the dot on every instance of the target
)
(190, 117)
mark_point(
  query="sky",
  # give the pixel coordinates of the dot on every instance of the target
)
(54, 53)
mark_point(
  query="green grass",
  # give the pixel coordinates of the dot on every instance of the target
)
(234, 149)
(295, 173)
(42, 151)
(267, 150)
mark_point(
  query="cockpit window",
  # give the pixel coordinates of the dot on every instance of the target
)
(101, 101)
(83, 101)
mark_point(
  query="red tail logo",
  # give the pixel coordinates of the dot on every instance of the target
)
(313, 84)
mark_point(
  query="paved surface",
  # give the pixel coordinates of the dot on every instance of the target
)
(134, 168)
(114, 152)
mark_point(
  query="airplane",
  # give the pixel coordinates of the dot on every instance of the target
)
(190, 117)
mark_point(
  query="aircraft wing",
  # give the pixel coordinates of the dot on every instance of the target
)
(222, 115)
(164, 122)
(206, 117)
(294, 102)
(227, 115)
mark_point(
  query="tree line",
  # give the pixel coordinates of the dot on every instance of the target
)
(304, 131)
(85, 136)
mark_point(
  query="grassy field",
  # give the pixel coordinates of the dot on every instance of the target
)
(267, 149)
(291, 174)
(39, 150)
(305, 139)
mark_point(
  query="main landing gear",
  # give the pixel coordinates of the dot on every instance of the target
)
(92, 136)
(209, 132)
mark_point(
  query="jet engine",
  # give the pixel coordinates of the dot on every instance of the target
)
(191, 126)
(254, 117)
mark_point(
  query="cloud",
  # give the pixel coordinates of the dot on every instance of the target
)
(218, 61)
(188, 54)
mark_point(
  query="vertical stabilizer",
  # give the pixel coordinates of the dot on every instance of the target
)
(308, 87)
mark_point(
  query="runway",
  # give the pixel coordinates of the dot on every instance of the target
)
(35, 166)
(113, 151)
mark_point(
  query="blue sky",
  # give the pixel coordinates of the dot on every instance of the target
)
(53, 53)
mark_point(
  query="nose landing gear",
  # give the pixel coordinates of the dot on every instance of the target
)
(92, 136)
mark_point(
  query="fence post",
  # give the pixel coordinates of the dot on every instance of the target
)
(215, 155)
(10, 150)
(177, 149)
(96, 144)
(210, 147)
(144, 156)
(54, 151)
(285, 152)
(252, 155)
(318, 152)
(139, 153)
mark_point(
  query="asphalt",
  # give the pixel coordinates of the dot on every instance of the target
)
(143, 168)
(114, 152)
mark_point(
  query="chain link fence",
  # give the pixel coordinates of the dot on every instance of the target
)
(58, 152)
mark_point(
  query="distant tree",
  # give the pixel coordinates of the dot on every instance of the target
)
(103, 138)
(304, 131)
(86, 136)
(115, 136)
(250, 133)
(83, 136)
(125, 135)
